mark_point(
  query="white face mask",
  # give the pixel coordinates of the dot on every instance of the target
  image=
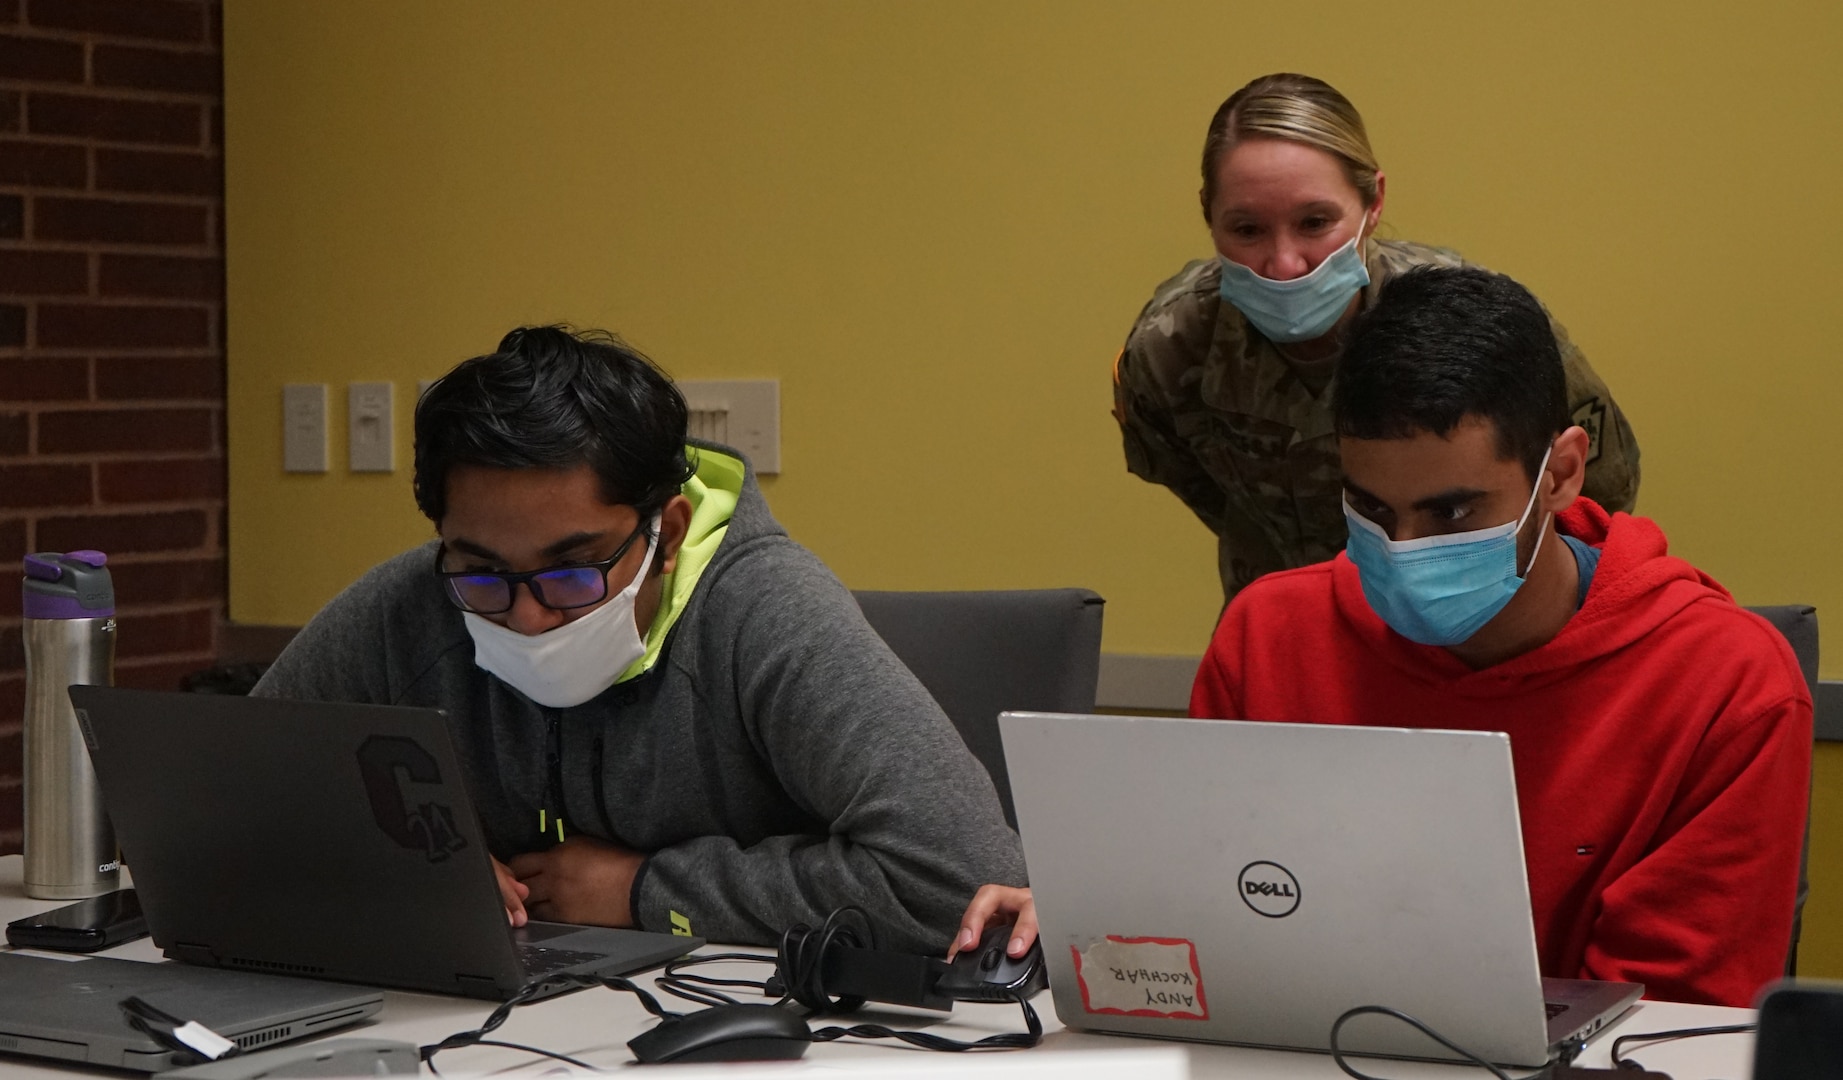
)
(567, 666)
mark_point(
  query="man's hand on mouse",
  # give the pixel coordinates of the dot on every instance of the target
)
(582, 880)
(512, 893)
(997, 905)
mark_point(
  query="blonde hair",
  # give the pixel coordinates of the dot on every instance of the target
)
(1297, 108)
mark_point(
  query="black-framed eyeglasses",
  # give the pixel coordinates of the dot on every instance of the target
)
(485, 592)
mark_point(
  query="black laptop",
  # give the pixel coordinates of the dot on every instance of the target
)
(332, 841)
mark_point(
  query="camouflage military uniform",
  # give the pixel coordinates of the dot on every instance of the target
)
(1212, 410)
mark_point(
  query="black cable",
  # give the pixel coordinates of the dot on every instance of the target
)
(1337, 1054)
(1622, 1062)
(800, 962)
(498, 1017)
(702, 988)
(1014, 1040)
(163, 1028)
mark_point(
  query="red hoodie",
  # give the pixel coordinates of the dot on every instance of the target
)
(1662, 747)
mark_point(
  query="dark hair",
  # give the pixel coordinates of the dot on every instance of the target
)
(552, 398)
(1446, 343)
(1297, 108)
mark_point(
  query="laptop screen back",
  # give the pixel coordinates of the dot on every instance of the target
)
(1247, 882)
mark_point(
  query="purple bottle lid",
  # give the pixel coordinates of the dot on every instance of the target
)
(67, 586)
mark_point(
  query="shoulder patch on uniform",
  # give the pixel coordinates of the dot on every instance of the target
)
(1591, 416)
(681, 924)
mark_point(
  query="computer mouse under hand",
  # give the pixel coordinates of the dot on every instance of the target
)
(725, 1033)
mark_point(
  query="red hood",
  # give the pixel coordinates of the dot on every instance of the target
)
(1637, 586)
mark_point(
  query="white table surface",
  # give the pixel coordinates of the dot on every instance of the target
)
(594, 1025)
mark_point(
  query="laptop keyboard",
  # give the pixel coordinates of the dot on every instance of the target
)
(541, 961)
(1555, 1008)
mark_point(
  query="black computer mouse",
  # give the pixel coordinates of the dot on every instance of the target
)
(725, 1033)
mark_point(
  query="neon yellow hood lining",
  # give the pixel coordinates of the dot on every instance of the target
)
(713, 491)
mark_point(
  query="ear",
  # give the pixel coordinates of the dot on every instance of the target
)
(674, 525)
(1567, 470)
(1203, 201)
(1374, 210)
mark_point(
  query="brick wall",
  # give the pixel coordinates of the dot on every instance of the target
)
(111, 326)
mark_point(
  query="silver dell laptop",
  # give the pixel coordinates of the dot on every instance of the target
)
(1248, 883)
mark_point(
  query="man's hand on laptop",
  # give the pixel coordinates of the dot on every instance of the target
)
(997, 905)
(582, 880)
(513, 892)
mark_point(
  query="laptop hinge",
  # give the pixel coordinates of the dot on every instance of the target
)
(190, 953)
(476, 986)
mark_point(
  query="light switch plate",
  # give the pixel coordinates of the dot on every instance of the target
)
(368, 427)
(743, 413)
(304, 428)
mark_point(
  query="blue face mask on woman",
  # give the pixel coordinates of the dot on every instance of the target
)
(1440, 590)
(1303, 308)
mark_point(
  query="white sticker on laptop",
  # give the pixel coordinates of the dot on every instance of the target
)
(1141, 976)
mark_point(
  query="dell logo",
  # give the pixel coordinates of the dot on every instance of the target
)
(1269, 889)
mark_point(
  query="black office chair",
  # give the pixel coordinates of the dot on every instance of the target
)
(1798, 622)
(983, 653)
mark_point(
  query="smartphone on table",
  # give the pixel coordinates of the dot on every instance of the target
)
(85, 926)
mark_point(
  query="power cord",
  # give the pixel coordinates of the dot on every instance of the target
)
(1620, 1061)
(1337, 1053)
(498, 1017)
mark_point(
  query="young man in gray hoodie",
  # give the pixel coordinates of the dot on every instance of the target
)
(671, 715)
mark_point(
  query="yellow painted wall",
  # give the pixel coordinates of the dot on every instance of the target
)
(935, 221)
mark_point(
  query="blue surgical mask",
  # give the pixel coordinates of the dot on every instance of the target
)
(1303, 308)
(1440, 590)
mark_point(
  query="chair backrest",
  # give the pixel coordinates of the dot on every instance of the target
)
(983, 653)
(1798, 622)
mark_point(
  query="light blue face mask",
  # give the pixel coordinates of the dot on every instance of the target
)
(1440, 590)
(1303, 308)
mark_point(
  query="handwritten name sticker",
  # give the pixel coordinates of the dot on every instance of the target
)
(1141, 976)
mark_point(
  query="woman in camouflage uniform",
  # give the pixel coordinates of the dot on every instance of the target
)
(1222, 391)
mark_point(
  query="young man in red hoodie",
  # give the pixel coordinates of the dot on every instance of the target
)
(1661, 735)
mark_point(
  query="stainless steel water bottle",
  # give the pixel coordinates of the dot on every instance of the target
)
(69, 608)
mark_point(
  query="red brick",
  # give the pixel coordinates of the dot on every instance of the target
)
(161, 20)
(10, 11)
(12, 217)
(176, 530)
(24, 486)
(160, 481)
(215, 127)
(166, 634)
(170, 377)
(117, 221)
(15, 434)
(44, 273)
(64, 326)
(115, 119)
(162, 276)
(12, 326)
(92, 431)
(39, 379)
(41, 59)
(31, 164)
(156, 69)
(9, 110)
(12, 643)
(12, 711)
(168, 581)
(12, 542)
(159, 171)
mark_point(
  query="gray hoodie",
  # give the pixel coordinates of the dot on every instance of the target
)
(774, 760)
